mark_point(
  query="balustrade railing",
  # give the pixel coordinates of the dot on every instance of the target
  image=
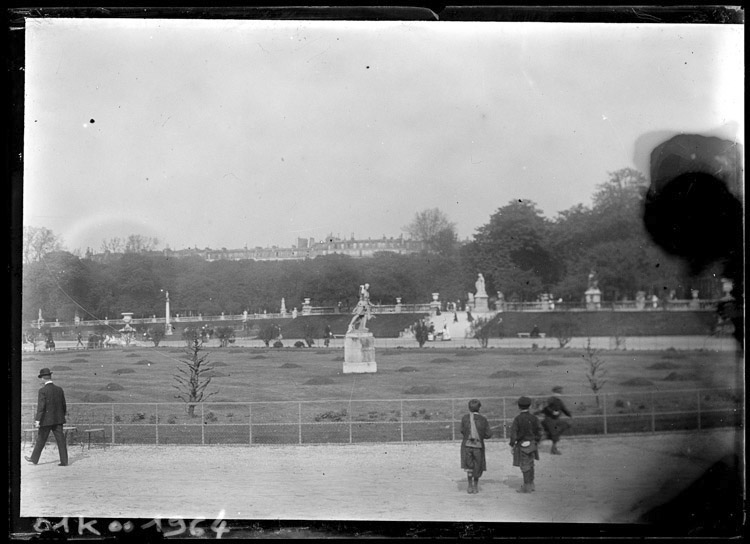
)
(622, 306)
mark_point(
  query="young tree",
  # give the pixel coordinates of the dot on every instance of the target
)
(156, 334)
(481, 329)
(225, 336)
(563, 330)
(268, 332)
(595, 372)
(191, 377)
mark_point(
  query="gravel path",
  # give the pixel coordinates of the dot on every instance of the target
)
(597, 479)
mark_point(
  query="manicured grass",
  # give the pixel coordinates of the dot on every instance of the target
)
(424, 403)
(486, 373)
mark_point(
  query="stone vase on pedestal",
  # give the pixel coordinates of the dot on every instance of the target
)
(593, 299)
(359, 352)
(435, 305)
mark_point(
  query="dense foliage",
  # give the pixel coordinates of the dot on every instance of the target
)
(519, 251)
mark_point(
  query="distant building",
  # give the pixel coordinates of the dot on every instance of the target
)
(306, 248)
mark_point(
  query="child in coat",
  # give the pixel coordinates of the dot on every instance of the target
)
(525, 434)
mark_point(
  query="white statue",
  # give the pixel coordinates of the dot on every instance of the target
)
(362, 312)
(480, 286)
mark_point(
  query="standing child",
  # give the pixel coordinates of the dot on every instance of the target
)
(474, 428)
(525, 434)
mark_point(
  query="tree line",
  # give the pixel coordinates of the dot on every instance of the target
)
(519, 251)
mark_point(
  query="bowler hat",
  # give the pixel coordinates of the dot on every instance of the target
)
(45, 372)
(524, 402)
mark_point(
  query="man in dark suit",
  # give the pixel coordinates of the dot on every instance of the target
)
(50, 417)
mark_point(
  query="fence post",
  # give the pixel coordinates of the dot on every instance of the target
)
(453, 419)
(350, 423)
(250, 422)
(299, 420)
(112, 420)
(605, 412)
(203, 425)
(401, 413)
(653, 413)
(699, 410)
(504, 425)
(157, 424)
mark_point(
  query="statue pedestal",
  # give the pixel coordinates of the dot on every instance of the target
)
(481, 305)
(593, 299)
(359, 352)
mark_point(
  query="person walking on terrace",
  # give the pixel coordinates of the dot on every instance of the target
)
(525, 434)
(475, 429)
(50, 417)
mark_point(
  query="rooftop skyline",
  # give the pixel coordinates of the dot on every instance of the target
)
(255, 133)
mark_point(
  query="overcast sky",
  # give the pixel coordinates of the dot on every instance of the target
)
(254, 133)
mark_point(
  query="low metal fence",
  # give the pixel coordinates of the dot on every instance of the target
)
(389, 420)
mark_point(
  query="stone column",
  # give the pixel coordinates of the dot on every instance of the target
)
(167, 323)
(306, 307)
(398, 305)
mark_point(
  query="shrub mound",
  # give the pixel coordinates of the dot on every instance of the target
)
(338, 359)
(466, 353)
(61, 367)
(423, 390)
(144, 362)
(124, 371)
(550, 362)
(112, 387)
(441, 360)
(408, 369)
(637, 382)
(259, 357)
(219, 363)
(74, 361)
(675, 377)
(663, 366)
(322, 352)
(97, 397)
(291, 365)
(319, 380)
(504, 374)
(26, 358)
(132, 355)
(299, 344)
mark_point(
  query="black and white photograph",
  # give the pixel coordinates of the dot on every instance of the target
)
(380, 270)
